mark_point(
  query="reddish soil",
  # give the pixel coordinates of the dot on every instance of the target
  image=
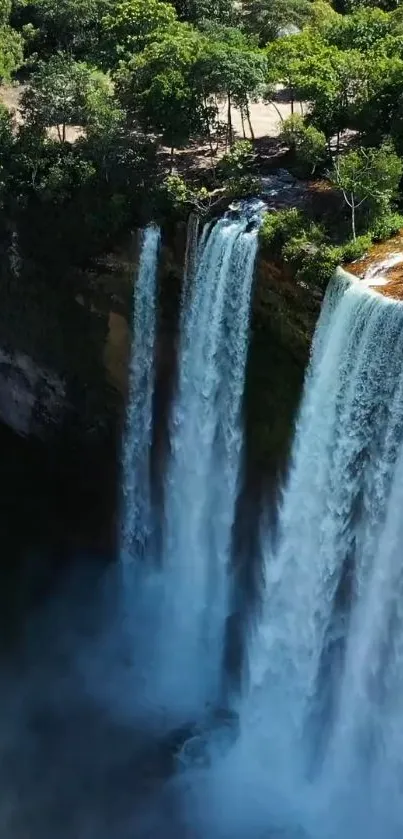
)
(393, 286)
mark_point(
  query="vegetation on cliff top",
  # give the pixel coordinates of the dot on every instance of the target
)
(113, 89)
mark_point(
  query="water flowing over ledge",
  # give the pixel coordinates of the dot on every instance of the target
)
(186, 580)
(136, 508)
(311, 747)
(320, 746)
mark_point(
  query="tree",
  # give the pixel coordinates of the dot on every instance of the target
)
(7, 142)
(11, 44)
(11, 52)
(267, 18)
(360, 30)
(367, 177)
(73, 25)
(286, 58)
(157, 88)
(378, 100)
(310, 69)
(65, 92)
(348, 6)
(238, 161)
(397, 124)
(219, 11)
(230, 68)
(333, 81)
(308, 144)
(321, 15)
(132, 25)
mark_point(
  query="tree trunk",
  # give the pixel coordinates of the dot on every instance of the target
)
(213, 152)
(64, 132)
(171, 160)
(277, 110)
(243, 122)
(59, 133)
(229, 122)
(105, 167)
(252, 133)
(353, 217)
(292, 101)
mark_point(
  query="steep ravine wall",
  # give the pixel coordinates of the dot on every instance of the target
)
(58, 433)
(63, 385)
(283, 320)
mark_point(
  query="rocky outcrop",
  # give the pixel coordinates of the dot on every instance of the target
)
(33, 399)
(284, 315)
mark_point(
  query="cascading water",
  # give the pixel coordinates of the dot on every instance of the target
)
(183, 599)
(321, 743)
(335, 500)
(201, 484)
(136, 508)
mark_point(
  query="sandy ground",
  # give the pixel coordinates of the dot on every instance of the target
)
(388, 278)
(10, 97)
(265, 118)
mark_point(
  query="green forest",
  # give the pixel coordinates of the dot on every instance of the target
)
(126, 113)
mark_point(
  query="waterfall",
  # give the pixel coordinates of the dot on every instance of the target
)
(202, 476)
(136, 514)
(336, 498)
(321, 744)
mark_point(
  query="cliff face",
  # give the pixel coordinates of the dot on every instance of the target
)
(59, 413)
(32, 398)
(283, 320)
(63, 381)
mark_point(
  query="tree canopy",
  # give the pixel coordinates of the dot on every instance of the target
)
(269, 18)
(131, 25)
(368, 179)
(113, 90)
(64, 92)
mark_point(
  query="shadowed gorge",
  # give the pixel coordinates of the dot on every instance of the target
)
(201, 419)
(219, 680)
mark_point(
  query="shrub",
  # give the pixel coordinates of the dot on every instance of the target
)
(304, 241)
(355, 248)
(237, 162)
(175, 191)
(242, 187)
(308, 144)
(386, 226)
(318, 265)
(278, 228)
